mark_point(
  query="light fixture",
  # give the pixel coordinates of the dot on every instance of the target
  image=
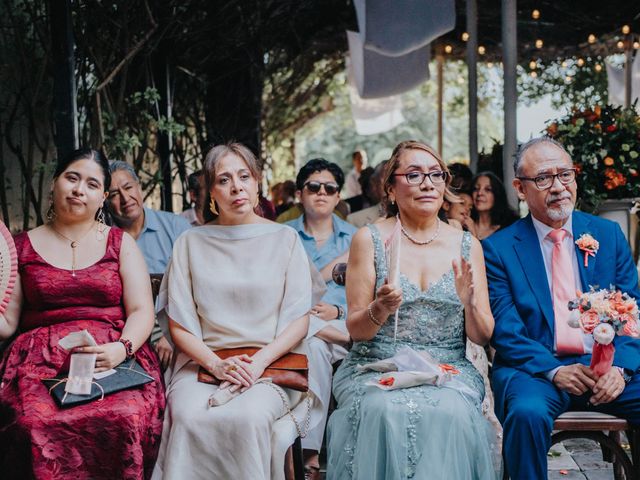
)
(535, 14)
(533, 64)
(636, 45)
(580, 62)
(620, 44)
(591, 38)
(533, 74)
(465, 36)
(598, 67)
(539, 43)
(448, 48)
(482, 50)
(626, 29)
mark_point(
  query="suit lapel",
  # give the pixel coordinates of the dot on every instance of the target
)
(527, 249)
(581, 225)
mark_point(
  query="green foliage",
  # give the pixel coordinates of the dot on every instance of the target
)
(604, 143)
(574, 81)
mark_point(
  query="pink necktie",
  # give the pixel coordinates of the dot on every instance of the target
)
(568, 339)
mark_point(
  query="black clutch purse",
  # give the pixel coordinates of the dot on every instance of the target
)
(129, 374)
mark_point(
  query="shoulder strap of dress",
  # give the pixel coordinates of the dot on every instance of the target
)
(114, 242)
(21, 241)
(378, 251)
(465, 248)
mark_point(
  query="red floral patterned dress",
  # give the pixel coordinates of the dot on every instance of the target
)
(115, 438)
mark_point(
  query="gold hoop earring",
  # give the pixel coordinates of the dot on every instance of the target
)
(212, 207)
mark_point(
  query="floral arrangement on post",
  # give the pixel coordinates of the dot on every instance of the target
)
(604, 313)
(604, 143)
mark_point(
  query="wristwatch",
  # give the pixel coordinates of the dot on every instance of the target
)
(340, 312)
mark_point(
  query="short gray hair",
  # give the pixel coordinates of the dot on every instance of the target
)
(115, 165)
(532, 143)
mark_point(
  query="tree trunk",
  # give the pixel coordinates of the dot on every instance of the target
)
(233, 104)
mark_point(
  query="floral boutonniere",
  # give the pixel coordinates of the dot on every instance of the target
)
(589, 246)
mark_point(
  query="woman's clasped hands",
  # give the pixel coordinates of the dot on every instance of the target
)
(238, 372)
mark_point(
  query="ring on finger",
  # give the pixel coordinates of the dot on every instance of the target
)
(230, 368)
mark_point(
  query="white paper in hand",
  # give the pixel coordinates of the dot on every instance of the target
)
(392, 257)
(77, 339)
(81, 373)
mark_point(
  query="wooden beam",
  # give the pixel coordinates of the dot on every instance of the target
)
(440, 64)
(472, 68)
(510, 64)
(65, 111)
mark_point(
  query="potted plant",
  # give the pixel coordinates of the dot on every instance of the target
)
(604, 143)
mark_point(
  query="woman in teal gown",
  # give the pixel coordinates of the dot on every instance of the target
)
(422, 432)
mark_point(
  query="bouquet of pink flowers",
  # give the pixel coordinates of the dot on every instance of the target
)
(604, 314)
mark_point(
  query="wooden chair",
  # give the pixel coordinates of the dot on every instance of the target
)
(593, 425)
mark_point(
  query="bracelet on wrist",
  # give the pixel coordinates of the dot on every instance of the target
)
(340, 312)
(128, 348)
(372, 317)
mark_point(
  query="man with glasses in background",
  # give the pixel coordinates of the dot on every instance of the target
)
(326, 239)
(534, 268)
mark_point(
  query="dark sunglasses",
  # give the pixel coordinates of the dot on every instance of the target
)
(330, 188)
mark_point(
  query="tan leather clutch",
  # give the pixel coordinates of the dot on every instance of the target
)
(289, 371)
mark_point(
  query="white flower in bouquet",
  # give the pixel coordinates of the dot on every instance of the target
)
(574, 319)
(603, 334)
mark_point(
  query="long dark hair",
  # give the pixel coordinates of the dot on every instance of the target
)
(84, 154)
(501, 213)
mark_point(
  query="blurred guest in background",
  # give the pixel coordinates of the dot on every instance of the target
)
(374, 193)
(491, 210)
(196, 197)
(352, 186)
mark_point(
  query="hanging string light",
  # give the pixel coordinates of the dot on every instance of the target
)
(533, 64)
(481, 50)
(591, 38)
(539, 43)
(620, 44)
(535, 14)
(448, 49)
(598, 67)
(636, 45)
(580, 62)
(465, 37)
(626, 29)
(534, 74)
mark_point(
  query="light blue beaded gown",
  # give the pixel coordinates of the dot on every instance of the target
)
(424, 432)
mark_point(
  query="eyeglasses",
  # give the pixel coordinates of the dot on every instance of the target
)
(543, 182)
(417, 178)
(329, 187)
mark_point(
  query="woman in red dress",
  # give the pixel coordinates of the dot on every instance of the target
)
(76, 273)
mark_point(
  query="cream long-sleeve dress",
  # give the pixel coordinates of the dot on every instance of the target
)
(232, 286)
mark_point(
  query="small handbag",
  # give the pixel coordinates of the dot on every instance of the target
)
(129, 374)
(289, 371)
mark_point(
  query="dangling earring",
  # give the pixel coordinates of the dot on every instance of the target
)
(51, 214)
(212, 207)
(102, 224)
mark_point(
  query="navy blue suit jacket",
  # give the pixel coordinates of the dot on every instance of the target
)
(521, 300)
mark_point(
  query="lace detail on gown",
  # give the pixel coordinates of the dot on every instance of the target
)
(420, 432)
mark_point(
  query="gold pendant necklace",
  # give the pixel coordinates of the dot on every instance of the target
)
(73, 244)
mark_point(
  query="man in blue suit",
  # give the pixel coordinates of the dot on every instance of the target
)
(536, 377)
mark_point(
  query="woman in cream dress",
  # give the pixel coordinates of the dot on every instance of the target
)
(238, 281)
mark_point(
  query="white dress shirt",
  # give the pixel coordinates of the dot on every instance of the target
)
(546, 246)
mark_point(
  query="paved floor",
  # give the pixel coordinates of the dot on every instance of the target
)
(572, 460)
(579, 459)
